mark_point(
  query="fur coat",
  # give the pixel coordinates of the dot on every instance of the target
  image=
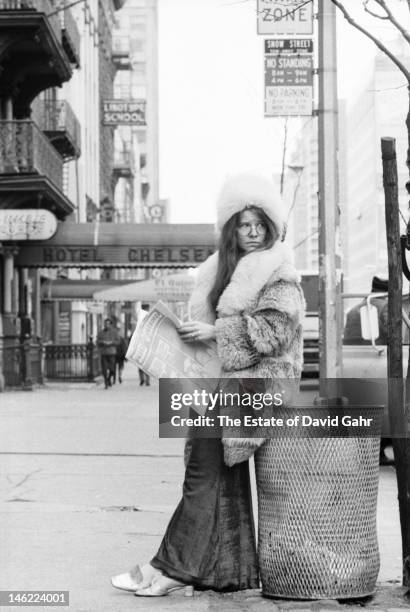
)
(258, 324)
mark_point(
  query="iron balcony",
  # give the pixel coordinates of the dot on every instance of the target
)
(58, 121)
(121, 52)
(124, 164)
(31, 169)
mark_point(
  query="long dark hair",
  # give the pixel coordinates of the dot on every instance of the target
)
(229, 252)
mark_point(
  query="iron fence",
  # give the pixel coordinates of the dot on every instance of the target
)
(71, 361)
(28, 362)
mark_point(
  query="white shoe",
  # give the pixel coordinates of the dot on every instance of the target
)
(162, 585)
(136, 578)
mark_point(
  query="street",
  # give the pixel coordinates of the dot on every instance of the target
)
(87, 489)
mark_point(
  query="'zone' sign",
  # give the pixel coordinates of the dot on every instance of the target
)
(292, 17)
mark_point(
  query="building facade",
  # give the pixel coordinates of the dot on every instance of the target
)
(56, 66)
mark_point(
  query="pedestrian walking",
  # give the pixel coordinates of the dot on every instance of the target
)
(120, 357)
(247, 297)
(144, 378)
(107, 341)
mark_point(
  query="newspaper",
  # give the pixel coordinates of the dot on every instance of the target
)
(157, 348)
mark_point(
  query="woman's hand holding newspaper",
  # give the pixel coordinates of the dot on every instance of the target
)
(196, 331)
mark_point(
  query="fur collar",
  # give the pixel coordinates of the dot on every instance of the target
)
(251, 274)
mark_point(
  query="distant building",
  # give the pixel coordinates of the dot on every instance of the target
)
(136, 147)
(380, 109)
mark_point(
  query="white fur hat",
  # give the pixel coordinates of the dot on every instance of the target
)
(244, 190)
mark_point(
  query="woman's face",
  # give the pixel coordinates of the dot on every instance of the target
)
(251, 231)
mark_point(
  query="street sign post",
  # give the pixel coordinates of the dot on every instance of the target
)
(288, 77)
(288, 17)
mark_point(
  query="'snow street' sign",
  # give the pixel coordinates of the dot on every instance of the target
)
(288, 77)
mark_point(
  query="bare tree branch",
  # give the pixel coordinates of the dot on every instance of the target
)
(366, 8)
(284, 151)
(289, 11)
(377, 42)
(405, 33)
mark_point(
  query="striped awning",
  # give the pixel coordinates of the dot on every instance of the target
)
(82, 290)
(170, 288)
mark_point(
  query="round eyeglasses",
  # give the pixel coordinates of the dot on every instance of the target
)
(244, 229)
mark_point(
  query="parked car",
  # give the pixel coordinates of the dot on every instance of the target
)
(310, 286)
(364, 368)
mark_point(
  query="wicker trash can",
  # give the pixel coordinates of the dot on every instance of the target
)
(317, 517)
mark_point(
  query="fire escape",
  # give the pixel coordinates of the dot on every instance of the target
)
(124, 160)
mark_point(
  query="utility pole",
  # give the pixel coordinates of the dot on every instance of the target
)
(330, 307)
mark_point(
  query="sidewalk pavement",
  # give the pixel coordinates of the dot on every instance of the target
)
(87, 489)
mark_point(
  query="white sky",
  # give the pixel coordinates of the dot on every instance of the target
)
(211, 98)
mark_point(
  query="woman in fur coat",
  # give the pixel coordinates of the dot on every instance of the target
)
(247, 298)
